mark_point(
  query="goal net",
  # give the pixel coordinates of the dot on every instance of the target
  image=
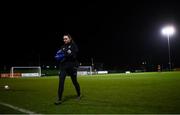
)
(84, 70)
(34, 71)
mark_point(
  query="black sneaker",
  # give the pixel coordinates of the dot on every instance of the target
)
(58, 102)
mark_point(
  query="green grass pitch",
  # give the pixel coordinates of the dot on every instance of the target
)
(149, 93)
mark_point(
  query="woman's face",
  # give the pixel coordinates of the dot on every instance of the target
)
(66, 39)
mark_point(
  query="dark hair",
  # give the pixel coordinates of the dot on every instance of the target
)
(69, 36)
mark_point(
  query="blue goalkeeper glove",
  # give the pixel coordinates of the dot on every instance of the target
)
(59, 55)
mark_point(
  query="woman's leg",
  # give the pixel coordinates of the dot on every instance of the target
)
(75, 82)
(62, 77)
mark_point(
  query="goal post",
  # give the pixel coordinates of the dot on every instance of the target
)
(84, 70)
(22, 71)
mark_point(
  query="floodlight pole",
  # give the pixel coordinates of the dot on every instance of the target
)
(168, 31)
(169, 53)
(92, 63)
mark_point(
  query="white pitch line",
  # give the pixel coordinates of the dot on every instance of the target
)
(17, 108)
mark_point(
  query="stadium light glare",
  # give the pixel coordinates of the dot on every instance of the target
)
(168, 31)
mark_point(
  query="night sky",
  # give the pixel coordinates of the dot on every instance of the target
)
(115, 34)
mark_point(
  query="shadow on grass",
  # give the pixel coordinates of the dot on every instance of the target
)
(69, 97)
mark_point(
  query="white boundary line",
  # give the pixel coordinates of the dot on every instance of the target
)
(17, 108)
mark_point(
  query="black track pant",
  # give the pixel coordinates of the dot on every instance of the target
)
(73, 74)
